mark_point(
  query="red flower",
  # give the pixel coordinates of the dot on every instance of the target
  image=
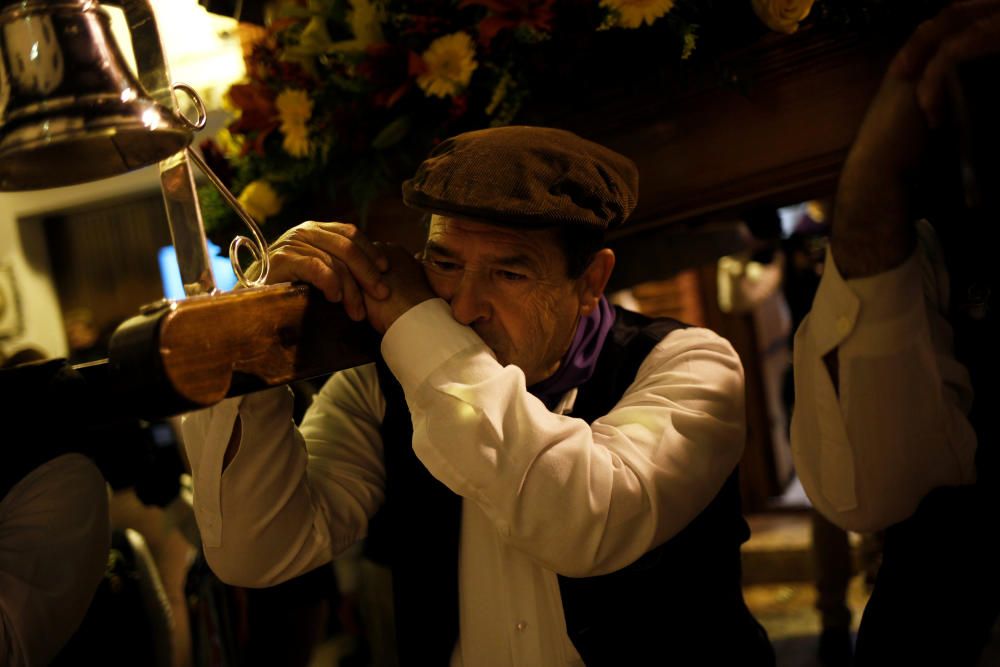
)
(294, 76)
(511, 14)
(459, 105)
(417, 66)
(257, 113)
(387, 68)
(386, 98)
(280, 25)
(423, 25)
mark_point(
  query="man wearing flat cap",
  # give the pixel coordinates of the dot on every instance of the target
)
(550, 479)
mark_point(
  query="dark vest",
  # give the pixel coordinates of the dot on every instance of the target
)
(679, 603)
(937, 593)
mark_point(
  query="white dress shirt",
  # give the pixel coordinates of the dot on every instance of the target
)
(543, 493)
(898, 427)
(54, 540)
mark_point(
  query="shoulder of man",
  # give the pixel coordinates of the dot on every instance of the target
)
(635, 329)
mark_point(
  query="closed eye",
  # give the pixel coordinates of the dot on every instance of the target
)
(444, 265)
(511, 275)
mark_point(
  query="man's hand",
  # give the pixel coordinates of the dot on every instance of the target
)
(873, 225)
(964, 31)
(335, 258)
(408, 287)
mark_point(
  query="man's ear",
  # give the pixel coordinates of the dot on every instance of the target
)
(595, 279)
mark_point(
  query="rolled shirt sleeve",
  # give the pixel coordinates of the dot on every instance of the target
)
(897, 428)
(292, 498)
(579, 499)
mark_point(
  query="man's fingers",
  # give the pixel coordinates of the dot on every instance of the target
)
(354, 302)
(335, 258)
(346, 243)
(978, 39)
(925, 41)
(296, 261)
(285, 253)
(326, 274)
(317, 273)
(372, 250)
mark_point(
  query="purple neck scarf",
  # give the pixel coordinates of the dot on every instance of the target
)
(581, 358)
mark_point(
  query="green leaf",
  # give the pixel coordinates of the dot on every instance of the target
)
(391, 134)
(219, 219)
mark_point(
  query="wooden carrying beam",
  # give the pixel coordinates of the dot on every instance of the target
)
(182, 355)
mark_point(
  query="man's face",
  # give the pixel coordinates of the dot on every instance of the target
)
(511, 287)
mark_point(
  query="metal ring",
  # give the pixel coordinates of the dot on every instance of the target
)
(258, 247)
(234, 259)
(198, 105)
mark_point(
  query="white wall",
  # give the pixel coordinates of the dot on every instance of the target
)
(23, 250)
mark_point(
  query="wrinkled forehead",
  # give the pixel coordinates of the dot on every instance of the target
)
(472, 238)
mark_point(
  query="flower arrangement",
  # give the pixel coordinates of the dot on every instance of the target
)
(343, 98)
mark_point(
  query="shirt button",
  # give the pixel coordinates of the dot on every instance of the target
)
(843, 324)
(521, 625)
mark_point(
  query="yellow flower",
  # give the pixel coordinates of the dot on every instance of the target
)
(690, 42)
(231, 146)
(315, 38)
(633, 13)
(450, 62)
(296, 142)
(782, 15)
(260, 200)
(366, 20)
(294, 106)
(816, 210)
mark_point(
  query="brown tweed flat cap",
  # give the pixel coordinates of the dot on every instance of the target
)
(521, 176)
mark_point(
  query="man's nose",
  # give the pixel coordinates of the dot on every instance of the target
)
(470, 301)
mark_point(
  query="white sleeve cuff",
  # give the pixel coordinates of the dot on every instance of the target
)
(888, 301)
(424, 338)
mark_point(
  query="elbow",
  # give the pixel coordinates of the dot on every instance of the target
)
(263, 564)
(557, 556)
(856, 521)
(870, 524)
(864, 505)
(596, 553)
(578, 563)
(236, 571)
(574, 566)
(578, 568)
(245, 568)
(856, 518)
(867, 515)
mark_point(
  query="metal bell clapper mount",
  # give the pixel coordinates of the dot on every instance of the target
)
(71, 111)
(257, 247)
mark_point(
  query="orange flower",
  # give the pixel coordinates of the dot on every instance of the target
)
(633, 13)
(450, 61)
(258, 116)
(511, 14)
